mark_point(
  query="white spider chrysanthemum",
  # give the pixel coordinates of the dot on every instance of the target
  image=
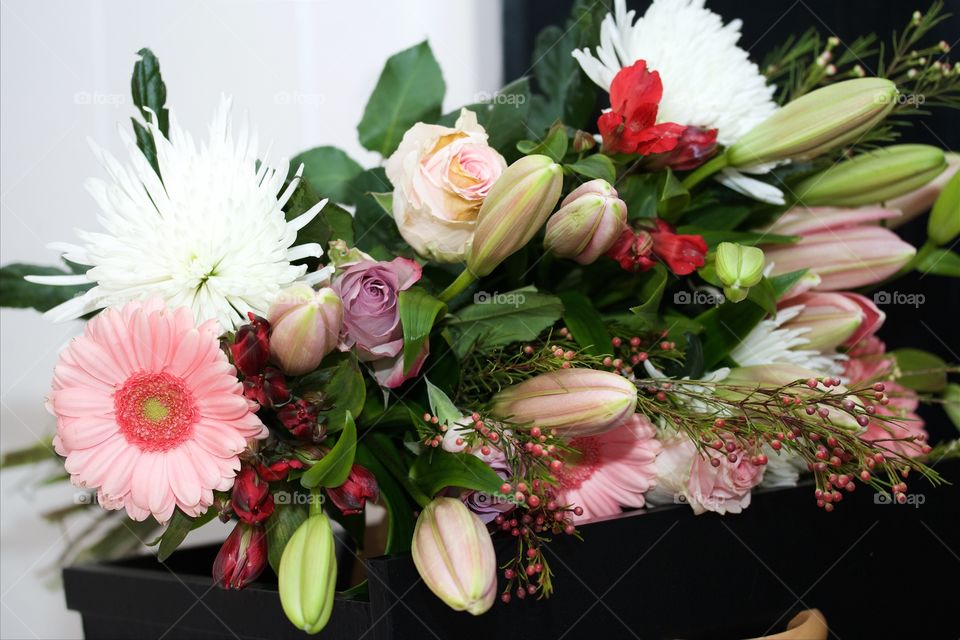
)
(211, 236)
(769, 343)
(708, 81)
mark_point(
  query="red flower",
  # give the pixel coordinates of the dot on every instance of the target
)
(351, 497)
(683, 254)
(269, 389)
(251, 497)
(251, 346)
(693, 148)
(242, 557)
(278, 470)
(630, 126)
(300, 417)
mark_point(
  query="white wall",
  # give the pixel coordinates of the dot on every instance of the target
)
(303, 71)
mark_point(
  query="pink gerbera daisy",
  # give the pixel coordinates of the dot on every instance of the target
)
(150, 411)
(611, 470)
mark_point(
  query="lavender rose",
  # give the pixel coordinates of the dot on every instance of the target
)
(371, 315)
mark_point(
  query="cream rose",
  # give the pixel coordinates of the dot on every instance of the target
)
(440, 177)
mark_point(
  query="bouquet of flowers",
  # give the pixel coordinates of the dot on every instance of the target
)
(527, 318)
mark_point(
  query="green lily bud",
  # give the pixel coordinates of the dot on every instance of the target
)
(873, 177)
(738, 268)
(816, 122)
(308, 574)
(517, 206)
(944, 222)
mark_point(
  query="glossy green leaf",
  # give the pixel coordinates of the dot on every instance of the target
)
(673, 197)
(329, 171)
(764, 296)
(438, 469)
(501, 318)
(149, 94)
(951, 403)
(441, 405)
(410, 90)
(940, 262)
(585, 323)
(18, 293)
(920, 370)
(418, 312)
(595, 166)
(651, 291)
(177, 529)
(503, 115)
(281, 524)
(332, 469)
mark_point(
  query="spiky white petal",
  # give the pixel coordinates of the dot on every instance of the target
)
(211, 235)
(708, 81)
(769, 343)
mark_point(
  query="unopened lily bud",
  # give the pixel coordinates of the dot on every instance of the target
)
(944, 223)
(453, 552)
(588, 223)
(308, 574)
(829, 319)
(516, 207)
(575, 402)
(738, 268)
(817, 122)
(878, 175)
(306, 327)
(242, 557)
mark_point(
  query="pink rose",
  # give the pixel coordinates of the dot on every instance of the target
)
(440, 177)
(369, 291)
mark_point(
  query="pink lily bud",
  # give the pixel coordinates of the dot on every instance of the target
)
(575, 402)
(242, 557)
(454, 555)
(802, 221)
(920, 200)
(830, 319)
(844, 258)
(517, 206)
(351, 497)
(589, 221)
(873, 319)
(306, 327)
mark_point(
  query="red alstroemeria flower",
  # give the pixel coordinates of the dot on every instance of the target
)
(631, 124)
(693, 148)
(635, 250)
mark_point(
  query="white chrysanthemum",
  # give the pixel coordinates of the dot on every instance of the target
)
(708, 81)
(769, 343)
(211, 236)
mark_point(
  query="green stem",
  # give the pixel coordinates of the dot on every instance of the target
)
(705, 171)
(316, 502)
(464, 280)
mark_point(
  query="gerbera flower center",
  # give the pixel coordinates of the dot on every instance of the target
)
(581, 464)
(155, 411)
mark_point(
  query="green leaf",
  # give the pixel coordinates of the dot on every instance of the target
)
(596, 166)
(410, 90)
(673, 198)
(373, 226)
(554, 145)
(725, 327)
(149, 91)
(501, 318)
(418, 311)
(400, 519)
(28, 455)
(333, 469)
(18, 293)
(281, 524)
(438, 469)
(343, 383)
(329, 171)
(717, 218)
(640, 193)
(651, 291)
(692, 360)
(951, 403)
(585, 323)
(940, 262)
(714, 237)
(341, 223)
(503, 115)
(385, 200)
(331, 223)
(441, 405)
(177, 529)
(920, 370)
(764, 296)
(785, 281)
(146, 144)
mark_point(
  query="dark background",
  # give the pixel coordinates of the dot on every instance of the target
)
(933, 326)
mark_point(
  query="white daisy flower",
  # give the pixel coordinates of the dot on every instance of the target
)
(708, 81)
(211, 236)
(769, 343)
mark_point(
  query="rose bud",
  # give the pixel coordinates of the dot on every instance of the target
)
(251, 498)
(516, 207)
(575, 402)
(351, 497)
(588, 223)
(301, 418)
(242, 557)
(843, 258)
(817, 122)
(306, 327)
(873, 176)
(944, 223)
(308, 574)
(738, 268)
(454, 554)
(829, 318)
(251, 346)
(269, 389)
